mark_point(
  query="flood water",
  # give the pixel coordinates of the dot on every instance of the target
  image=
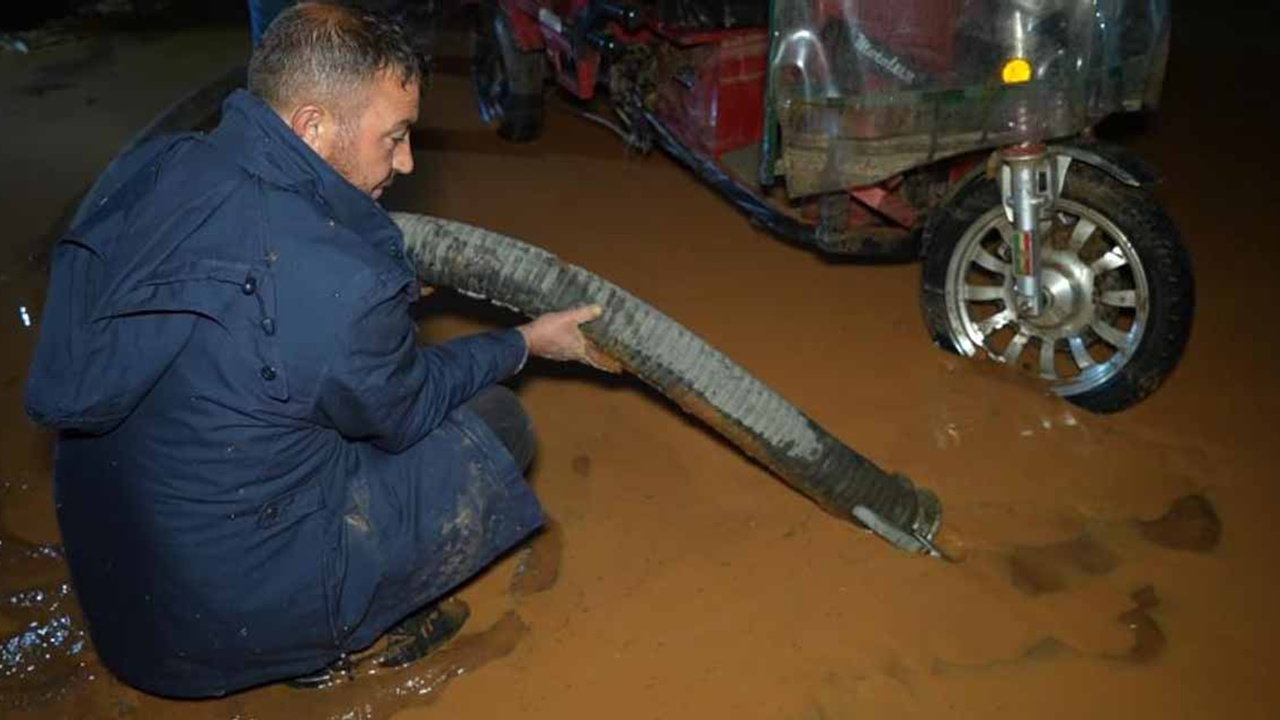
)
(1117, 566)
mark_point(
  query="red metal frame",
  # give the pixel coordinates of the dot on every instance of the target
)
(576, 71)
(523, 17)
(718, 106)
(712, 83)
(886, 199)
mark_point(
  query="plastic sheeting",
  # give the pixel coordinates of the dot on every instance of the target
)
(864, 89)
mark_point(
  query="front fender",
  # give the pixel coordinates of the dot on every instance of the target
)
(1114, 160)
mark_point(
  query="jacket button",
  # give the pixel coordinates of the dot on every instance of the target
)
(268, 373)
(269, 326)
(250, 285)
(271, 514)
(393, 249)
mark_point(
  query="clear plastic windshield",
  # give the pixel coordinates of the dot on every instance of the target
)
(864, 89)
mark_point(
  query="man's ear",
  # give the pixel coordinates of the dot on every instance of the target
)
(312, 125)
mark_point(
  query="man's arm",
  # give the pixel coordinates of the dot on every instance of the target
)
(386, 389)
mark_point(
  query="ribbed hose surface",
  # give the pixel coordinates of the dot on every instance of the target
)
(679, 364)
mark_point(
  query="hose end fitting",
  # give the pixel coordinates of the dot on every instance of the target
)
(916, 538)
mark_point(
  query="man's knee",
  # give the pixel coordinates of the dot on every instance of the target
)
(502, 412)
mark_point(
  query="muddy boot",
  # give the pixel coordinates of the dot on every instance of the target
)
(412, 639)
(422, 633)
(340, 670)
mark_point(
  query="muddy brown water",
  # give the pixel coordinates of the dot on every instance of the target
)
(1117, 566)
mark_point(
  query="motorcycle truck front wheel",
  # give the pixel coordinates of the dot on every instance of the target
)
(1115, 283)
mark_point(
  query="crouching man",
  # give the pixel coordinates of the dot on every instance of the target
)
(258, 471)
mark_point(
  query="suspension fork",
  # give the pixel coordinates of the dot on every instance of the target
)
(1031, 179)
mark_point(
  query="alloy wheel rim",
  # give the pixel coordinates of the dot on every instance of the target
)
(1097, 301)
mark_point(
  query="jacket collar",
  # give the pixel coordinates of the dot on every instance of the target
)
(261, 143)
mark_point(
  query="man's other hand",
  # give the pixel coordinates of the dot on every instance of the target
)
(556, 336)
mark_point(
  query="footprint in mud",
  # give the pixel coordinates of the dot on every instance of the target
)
(1148, 639)
(1148, 644)
(1191, 524)
(1057, 567)
(539, 566)
(1037, 570)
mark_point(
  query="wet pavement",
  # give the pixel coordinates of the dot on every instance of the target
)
(1117, 566)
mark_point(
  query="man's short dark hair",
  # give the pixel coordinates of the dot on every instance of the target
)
(320, 52)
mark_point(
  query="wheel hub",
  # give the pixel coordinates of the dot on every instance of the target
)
(1066, 286)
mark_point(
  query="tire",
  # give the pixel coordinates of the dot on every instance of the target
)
(1114, 330)
(508, 82)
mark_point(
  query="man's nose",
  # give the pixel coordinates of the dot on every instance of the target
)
(402, 161)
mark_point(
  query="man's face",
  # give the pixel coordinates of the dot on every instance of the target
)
(373, 145)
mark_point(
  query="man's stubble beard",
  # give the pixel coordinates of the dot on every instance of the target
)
(341, 157)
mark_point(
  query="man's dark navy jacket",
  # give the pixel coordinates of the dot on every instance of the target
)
(257, 468)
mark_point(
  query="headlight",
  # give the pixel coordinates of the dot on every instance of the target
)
(1015, 71)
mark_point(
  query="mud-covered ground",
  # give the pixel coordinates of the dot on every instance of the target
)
(1119, 566)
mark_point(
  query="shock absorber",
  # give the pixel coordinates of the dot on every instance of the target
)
(1030, 180)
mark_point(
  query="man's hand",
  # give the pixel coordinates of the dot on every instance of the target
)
(556, 336)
